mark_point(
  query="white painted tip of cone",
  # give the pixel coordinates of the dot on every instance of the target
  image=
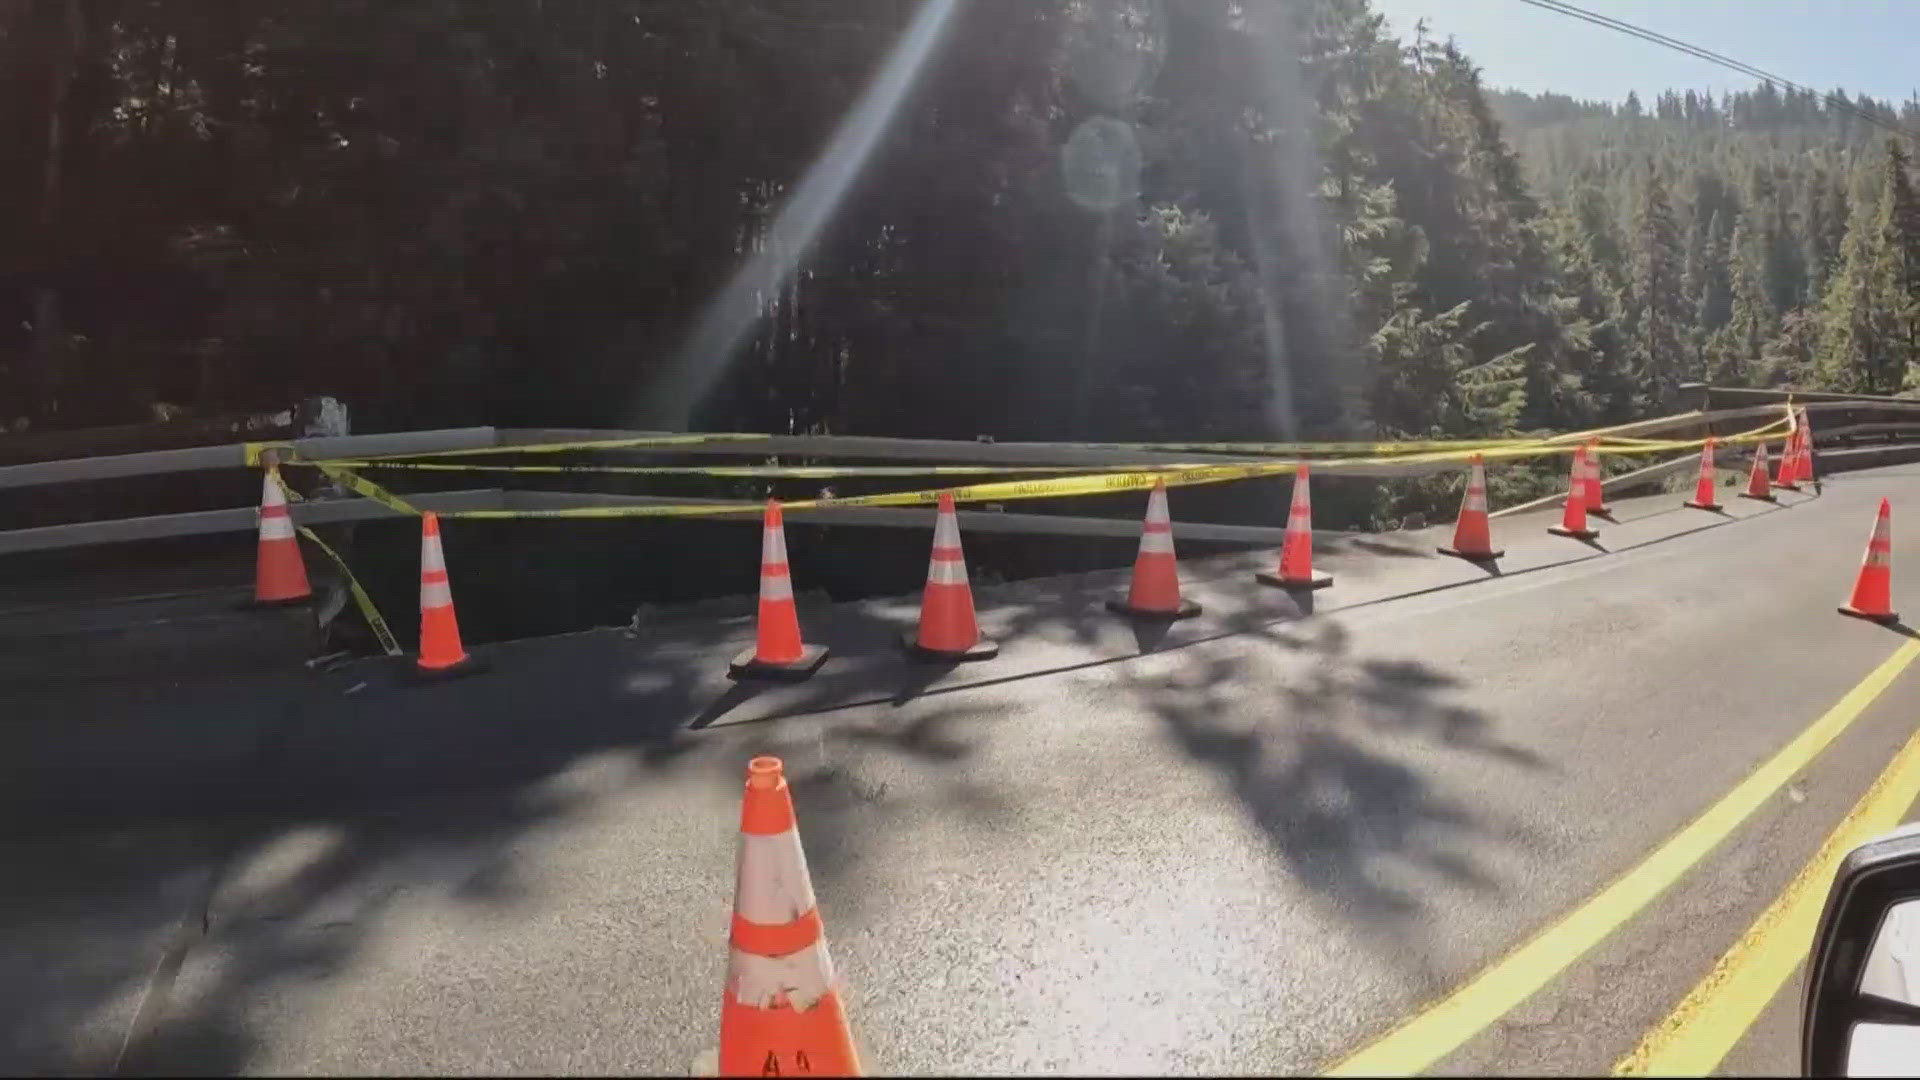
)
(1157, 507)
(270, 493)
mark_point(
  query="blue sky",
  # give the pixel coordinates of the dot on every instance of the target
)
(1867, 46)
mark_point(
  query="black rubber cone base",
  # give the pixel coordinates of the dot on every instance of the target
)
(1701, 505)
(1758, 498)
(745, 666)
(412, 674)
(980, 650)
(1884, 620)
(1320, 580)
(1471, 556)
(1187, 610)
(1577, 534)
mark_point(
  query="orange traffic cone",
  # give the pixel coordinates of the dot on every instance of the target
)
(1757, 486)
(441, 654)
(1788, 474)
(1573, 521)
(1873, 589)
(1296, 546)
(1703, 490)
(1473, 533)
(948, 629)
(1155, 593)
(279, 574)
(778, 651)
(1596, 498)
(1804, 473)
(780, 1014)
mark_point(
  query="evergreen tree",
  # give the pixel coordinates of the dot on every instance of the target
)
(1751, 316)
(1714, 292)
(1858, 348)
(1823, 217)
(1900, 242)
(1659, 315)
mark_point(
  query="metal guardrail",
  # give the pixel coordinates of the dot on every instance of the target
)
(234, 455)
(340, 511)
(1872, 416)
(236, 519)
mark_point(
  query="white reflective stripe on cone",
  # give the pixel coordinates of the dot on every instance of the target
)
(1879, 544)
(946, 571)
(776, 587)
(946, 531)
(773, 546)
(435, 594)
(276, 527)
(773, 886)
(270, 493)
(759, 982)
(1156, 543)
(432, 559)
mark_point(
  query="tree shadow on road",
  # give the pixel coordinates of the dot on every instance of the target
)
(1326, 776)
(207, 921)
(347, 756)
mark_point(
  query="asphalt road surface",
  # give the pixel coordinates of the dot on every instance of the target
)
(1259, 843)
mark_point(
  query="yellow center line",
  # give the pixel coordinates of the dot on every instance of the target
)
(1706, 1024)
(1444, 1026)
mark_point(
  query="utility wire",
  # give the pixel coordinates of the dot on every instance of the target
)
(1657, 38)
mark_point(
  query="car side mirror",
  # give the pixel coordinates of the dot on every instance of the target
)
(1862, 1007)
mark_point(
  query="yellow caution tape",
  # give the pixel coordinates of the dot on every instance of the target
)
(367, 609)
(369, 489)
(1372, 449)
(286, 489)
(593, 444)
(798, 472)
(1435, 451)
(255, 452)
(655, 441)
(1057, 487)
(1096, 483)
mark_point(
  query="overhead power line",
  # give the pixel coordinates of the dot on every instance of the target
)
(1655, 37)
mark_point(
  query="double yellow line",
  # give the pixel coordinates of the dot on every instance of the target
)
(1697, 1035)
(1708, 1022)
